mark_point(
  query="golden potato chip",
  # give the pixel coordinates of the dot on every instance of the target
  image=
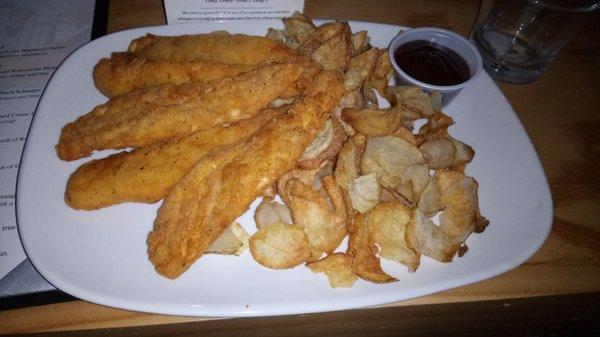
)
(404, 133)
(364, 193)
(407, 114)
(360, 42)
(414, 180)
(410, 98)
(458, 195)
(369, 97)
(460, 208)
(282, 36)
(407, 191)
(423, 236)
(322, 216)
(436, 126)
(348, 164)
(333, 54)
(280, 246)
(325, 146)
(323, 33)
(389, 195)
(440, 149)
(299, 27)
(439, 153)
(353, 99)
(269, 212)
(464, 155)
(436, 100)
(365, 263)
(310, 177)
(337, 267)
(445, 178)
(276, 34)
(429, 201)
(373, 122)
(389, 157)
(382, 74)
(387, 224)
(233, 240)
(360, 68)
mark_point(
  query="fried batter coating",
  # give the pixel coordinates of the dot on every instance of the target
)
(223, 184)
(124, 72)
(146, 174)
(160, 113)
(220, 48)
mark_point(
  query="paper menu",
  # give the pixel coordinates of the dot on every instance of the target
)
(186, 11)
(35, 36)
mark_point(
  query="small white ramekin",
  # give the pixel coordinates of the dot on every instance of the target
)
(448, 39)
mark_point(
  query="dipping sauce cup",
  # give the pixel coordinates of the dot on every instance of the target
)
(434, 59)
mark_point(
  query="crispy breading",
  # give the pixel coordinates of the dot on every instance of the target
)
(160, 113)
(124, 72)
(220, 48)
(146, 174)
(222, 185)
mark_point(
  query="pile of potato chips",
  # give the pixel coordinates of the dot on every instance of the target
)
(369, 175)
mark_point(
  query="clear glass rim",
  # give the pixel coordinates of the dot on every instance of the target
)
(567, 6)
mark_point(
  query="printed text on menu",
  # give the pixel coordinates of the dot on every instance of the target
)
(35, 36)
(188, 11)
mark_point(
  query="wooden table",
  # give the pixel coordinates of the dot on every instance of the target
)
(557, 290)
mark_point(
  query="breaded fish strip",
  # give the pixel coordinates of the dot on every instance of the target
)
(223, 184)
(160, 113)
(146, 174)
(124, 72)
(220, 48)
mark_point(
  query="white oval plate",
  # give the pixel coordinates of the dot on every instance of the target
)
(100, 256)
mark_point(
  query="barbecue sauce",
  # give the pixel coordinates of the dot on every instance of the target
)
(432, 63)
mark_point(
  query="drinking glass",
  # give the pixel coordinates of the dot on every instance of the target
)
(519, 38)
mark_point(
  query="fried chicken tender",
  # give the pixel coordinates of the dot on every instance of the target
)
(124, 72)
(146, 174)
(156, 114)
(220, 48)
(223, 184)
